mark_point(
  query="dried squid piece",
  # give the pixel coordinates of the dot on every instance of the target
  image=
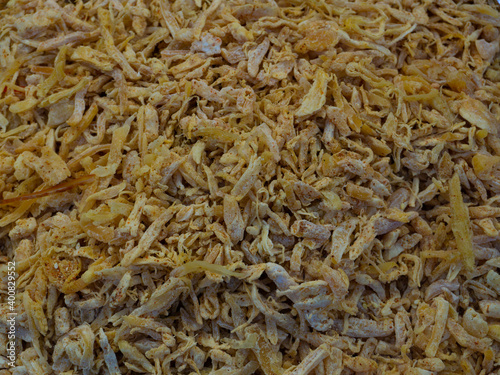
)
(306, 193)
(200, 266)
(315, 99)
(341, 238)
(134, 220)
(233, 219)
(208, 44)
(109, 355)
(269, 125)
(49, 166)
(114, 52)
(135, 356)
(162, 298)
(479, 115)
(32, 362)
(256, 56)
(202, 89)
(35, 23)
(94, 58)
(240, 33)
(474, 323)
(441, 317)
(76, 348)
(360, 364)
(365, 239)
(494, 332)
(487, 50)
(493, 281)
(247, 179)
(466, 340)
(280, 276)
(35, 311)
(431, 364)
(268, 138)
(319, 36)
(269, 358)
(23, 228)
(316, 232)
(148, 237)
(460, 224)
(364, 328)
(62, 321)
(336, 278)
(119, 294)
(311, 361)
(490, 308)
(485, 165)
(62, 270)
(68, 39)
(148, 121)
(60, 112)
(63, 94)
(190, 34)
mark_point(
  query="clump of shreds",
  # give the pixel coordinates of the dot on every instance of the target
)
(238, 187)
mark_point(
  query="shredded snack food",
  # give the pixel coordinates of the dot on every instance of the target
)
(274, 187)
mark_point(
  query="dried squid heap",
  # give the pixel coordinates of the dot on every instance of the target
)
(241, 187)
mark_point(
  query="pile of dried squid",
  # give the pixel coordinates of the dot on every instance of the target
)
(274, 187)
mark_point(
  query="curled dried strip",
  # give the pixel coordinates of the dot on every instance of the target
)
(65, 186)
